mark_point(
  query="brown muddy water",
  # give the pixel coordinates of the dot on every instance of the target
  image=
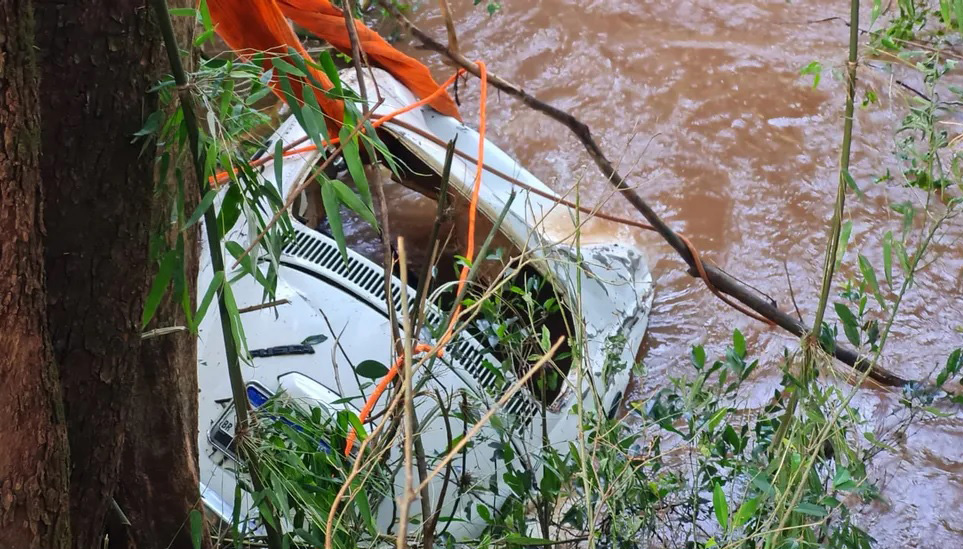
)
(704, 106)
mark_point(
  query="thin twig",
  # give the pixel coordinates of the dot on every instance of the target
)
(449, 25)
(792, 294)
(260, 306)
(356, 54)
(158, 332)
(409, 407)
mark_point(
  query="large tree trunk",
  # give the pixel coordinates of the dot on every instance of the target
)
(33, 441)
(159, 472)
(96, 61)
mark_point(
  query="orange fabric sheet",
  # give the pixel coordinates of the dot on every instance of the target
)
(252, 26)
(327, 22)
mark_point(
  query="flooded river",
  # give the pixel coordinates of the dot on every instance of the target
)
(703, 104)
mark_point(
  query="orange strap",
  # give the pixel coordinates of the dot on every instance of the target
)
(469, 255)
(379, 389)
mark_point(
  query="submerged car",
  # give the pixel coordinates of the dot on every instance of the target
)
(331, 314)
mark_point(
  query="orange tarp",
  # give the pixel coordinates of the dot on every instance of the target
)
(252, 26)
(327, 22)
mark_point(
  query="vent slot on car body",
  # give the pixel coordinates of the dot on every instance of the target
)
(319, 253)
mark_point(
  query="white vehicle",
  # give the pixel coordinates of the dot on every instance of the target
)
(340, 308)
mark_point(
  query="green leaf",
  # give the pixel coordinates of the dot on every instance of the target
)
(717, 418)
(844, 235)
(364, 507)
(745, 512)
(197, 528)
(848, 177)
(850, 324)
(205, 15)
(203, 37)
(329, 197)
(869, 275)
(843, 480)
(314, 117)
(330, 69)
(351, 200)
(811, 510)
(230, 210)
(945, 15)
(206, 301)
(183, 12)
(739, 343)
(371, 369)
(279, 162)
(954, 363)
(159, 287)
(206, 202)
(871, 437)
(720, 506)
(287, 93)
(698, 357)
(151, 125)
(888, 258)
(352, 157)
(284, 67)
(815, 68)
(314, 339)
(237, 328)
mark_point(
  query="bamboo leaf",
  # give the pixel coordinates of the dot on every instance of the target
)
(844, 235)
(278, 162)
(852, 184)
(739, 343)
(237, 329)
(205, 303)
(515, 539)
(284, 67)
(720, 506)
(329, 198)
(888, 258)
(353, 202)
(314, 339)
(745, 512)
(197, 528)
(850, 325)
(331, 70)
(869, 275)
(314, 116)
(201, 209)
(811, 510)
(158, 287)
(352, 157)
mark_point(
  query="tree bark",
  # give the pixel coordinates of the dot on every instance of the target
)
(96, 61)
(33, 438)
(159, 472)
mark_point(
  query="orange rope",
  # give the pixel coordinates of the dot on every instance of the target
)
(469, 248)
(379, 389)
